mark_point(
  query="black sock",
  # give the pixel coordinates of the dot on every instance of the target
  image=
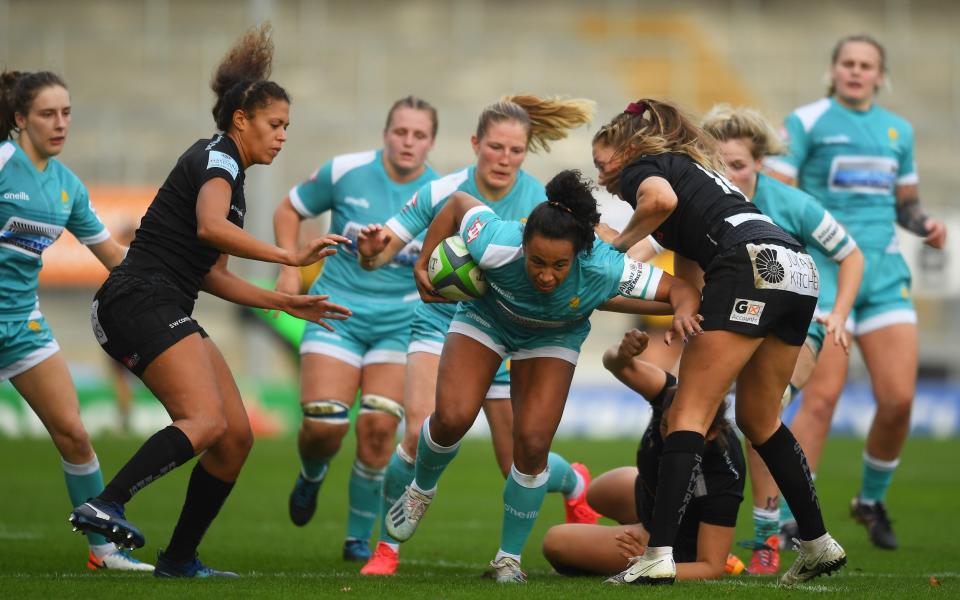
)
(788, 465)
(165, 450)
(678, 474)
(205, 495)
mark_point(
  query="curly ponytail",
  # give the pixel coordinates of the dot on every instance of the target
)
(18, 90)
(570, 212)
(240, 81)
(545, 119)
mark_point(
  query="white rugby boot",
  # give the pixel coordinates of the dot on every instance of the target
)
(658, 569)
(405, 514)
(817, 557)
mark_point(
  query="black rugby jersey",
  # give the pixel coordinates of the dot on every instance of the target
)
(718, 491)
(167, 236)
(711, 215)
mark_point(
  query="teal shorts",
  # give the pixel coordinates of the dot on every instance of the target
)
(377, 332)
(25, 344)
(431, 322)
(884, 297)
(520, 343)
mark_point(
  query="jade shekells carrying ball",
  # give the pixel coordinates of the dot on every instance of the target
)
(454, 273)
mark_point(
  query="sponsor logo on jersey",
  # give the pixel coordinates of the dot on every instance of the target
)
(219, 160)
(829, 233)
(64, 196)
(835, 139)
(359, 202)
(34, 325)
(132, 360)
(747, 311)
(474, 231)
(236, 209)
(16, 196)
(863, 174)
(892, 134)
(179, 322)
(98, 331)
(28, 237)
(574, 302)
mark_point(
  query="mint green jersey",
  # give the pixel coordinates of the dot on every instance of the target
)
(416, 216)
(357, 191)
(800, 215)
(514, 303)
(851, 162)
(35, 208)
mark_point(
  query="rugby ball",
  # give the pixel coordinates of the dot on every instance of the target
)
(453, 272)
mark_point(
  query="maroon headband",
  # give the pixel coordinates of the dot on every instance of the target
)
(636, 108)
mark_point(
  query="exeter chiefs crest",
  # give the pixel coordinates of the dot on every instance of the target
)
(768, 267)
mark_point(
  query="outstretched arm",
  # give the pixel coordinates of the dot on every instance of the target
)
(222, 283)
(213, 228)
(377, 245)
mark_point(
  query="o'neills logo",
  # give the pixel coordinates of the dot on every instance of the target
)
(16, 196)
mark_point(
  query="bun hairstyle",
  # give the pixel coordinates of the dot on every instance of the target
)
(18, 90)
(725, 123)
(545, 119)
(570, 212)
(240, 81)
(650, 126)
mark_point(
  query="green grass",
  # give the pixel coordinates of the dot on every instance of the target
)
(41, 558)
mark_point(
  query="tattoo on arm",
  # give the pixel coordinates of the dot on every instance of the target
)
(911, 217)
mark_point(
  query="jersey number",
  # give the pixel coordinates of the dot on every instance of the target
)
(723, 182)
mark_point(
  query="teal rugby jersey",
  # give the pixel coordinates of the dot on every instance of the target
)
(417, 214)
(800, 215)
(851, 162)
(358, 191)
(35, 208)
(513, 301)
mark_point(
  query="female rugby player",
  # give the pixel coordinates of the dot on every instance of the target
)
(758, 299)
(39, 198)
(506, 131)
(745, 138)
(368, 351)
(546, 278)
(857, 159)
(142, 313)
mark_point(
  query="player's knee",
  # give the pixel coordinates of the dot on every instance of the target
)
(73, 442)
(531, 449)
(325, 418)
(895, 407)
(377, 422)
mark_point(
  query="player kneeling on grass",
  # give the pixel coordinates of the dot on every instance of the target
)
(627, 494)
(546, 278)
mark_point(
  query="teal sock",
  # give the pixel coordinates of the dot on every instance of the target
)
(314, 469)
(563, 478)
(765, 523)
(84, 482)
(877, 475)
(522, 499)
(786, 515)
(364, 491)
(398, 476)
(432, 459)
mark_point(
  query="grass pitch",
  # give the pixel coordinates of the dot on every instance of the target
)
(253, 536)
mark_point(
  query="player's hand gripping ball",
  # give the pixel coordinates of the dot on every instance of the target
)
(453, 272)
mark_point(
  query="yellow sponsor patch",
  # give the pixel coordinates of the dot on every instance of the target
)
(893, 133)
(34, 325)
(574, 302)
(64, 196)
(904, 291)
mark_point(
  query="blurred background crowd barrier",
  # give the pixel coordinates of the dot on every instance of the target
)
(138, 72)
